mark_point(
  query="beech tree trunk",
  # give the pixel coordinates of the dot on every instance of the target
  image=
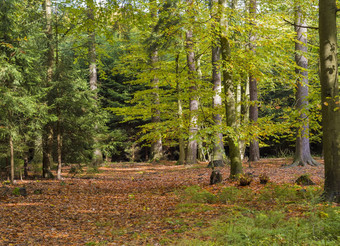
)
(229, 90)
(302, 156)
(93, 78)
(191, 157)
(330, 98)
(254, 149)
(47, 138)
(218, 149)
(156, 145)
(181, 158)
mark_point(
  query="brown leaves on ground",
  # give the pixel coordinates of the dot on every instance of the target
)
(123, 204)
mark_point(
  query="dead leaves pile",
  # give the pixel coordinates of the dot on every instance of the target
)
(124, 204)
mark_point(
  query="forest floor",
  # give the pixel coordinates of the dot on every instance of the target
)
(130, 203)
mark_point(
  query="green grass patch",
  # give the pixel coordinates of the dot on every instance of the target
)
(275, 215)
(271, 228)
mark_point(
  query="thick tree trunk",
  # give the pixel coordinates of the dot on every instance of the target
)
(302, 156)
(330, 98)
(47, 138)
(11, 148)
(93, 78)
(218, 149)
(254, 150)
(191, 157)
(181, 158)
(231, 114)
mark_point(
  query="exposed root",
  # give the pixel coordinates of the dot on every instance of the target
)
(299, 162)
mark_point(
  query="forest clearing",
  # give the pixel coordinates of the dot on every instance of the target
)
(150, 122)
(165, 204)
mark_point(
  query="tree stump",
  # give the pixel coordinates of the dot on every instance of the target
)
(215, 177)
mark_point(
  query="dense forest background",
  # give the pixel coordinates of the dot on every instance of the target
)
(85, 80)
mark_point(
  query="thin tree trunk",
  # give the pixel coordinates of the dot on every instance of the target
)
(244, 113)
(93, 80)
(330, 98)
(47, 151)
(254, 149)
(48, 130)
(229, 90)
(191, 157)
(59, 147)
(156, 145)
(11, 157)
(26, 165)
(302, 156)
(181, 143)
(218, 148)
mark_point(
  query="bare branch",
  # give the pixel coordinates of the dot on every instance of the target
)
(293, 24)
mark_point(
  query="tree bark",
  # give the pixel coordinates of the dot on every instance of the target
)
(254, 149)
(156, 145)
(11, 148)
(229, 90)
(59, 147)
(218, 148)
(302, 156)
(47, 151)
(93, 78)
(330, 98)
(191, 157)
(47, 138)
(181, 158)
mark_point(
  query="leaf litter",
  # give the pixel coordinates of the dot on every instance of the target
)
(124, 204)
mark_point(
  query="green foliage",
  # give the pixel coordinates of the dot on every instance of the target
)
(230, 195)
(195, 194)
(272, 228)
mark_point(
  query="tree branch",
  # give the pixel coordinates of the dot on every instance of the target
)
(293, 24)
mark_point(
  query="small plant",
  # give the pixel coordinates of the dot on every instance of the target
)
(245, 179)
(16, 191)
(74, 170)
(304, 180)
(197, 195)
(264, 178)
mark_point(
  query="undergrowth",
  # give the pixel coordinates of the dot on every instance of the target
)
(274, 215)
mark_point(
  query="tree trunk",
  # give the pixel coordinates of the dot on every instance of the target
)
(302, 156)
(254, 150)
(218, 148)
(330, 98)
(229, 90)
(47, 151)
(181, 158)
(59, 147)
(11, 148)
(47, 138)
(191, 157)
(26, 165)
(156, 145)
(93, 79)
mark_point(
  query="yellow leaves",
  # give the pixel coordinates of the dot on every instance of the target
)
(323, 214)
(325, 103)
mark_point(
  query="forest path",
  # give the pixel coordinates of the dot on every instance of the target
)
(123, 204)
